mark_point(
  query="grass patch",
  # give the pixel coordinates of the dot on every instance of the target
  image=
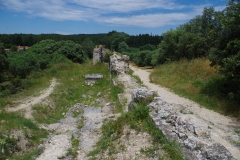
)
(14, 122)
(113, 95)
(190, 79)
(33, 84)
(29, 156)
(139, 81)
(139, 120)
(73, 150)
(72, 89)
(80, 122)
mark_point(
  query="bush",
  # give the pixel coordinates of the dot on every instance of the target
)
(106, 58)
(222, 88)
(149, 47)
(5, 93)
(141, 113)
(122, 47)
(8, 146)
(143, 58)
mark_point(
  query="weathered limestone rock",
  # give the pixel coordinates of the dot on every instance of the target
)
(94, 76)
(109, 108)
(97, 54)
(40, 149)
(186, 129)
(90, 79)
(119, 64)
(140, 94)
(183, 126)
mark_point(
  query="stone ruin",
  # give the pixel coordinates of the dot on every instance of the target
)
(119, 64)
(98, 54)
(184, 127)
(90, 79)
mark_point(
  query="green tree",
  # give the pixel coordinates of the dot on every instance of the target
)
(167, 49)
(3, 62)
(116, 38)
(122, 47)
(88, 46)
(69, 49)
(72, 51)
(149, 47)
(14, 48)
(229, 34)
(18, 65)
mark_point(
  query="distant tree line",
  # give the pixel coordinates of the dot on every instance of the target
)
(10, 40)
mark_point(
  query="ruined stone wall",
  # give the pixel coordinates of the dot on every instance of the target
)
(96, 54)
(178, 123)
(119, 64)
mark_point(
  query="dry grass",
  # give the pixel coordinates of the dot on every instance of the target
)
(188, 79)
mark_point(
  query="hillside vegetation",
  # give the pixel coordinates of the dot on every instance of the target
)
(71, 89)
(20, 137)
(198, 81)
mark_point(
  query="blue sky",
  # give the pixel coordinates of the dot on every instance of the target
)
(99, 16)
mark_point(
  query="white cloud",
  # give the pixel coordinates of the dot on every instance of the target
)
(128, 5)
(63, 33)
(99, 10)
(149, 20)
(50, 9)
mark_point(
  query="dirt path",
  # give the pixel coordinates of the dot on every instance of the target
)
(27, 104)
(223, 128)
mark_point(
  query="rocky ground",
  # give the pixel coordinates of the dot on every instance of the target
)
(203, 134)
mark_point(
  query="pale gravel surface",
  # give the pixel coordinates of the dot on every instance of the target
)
(223, 126)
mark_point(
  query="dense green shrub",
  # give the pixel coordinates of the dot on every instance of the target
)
(148, 47)
(223, 88)
(106, 58)
(3, 62)
(143, 58)
(8, 145)
(122, 47)
(88, 46)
